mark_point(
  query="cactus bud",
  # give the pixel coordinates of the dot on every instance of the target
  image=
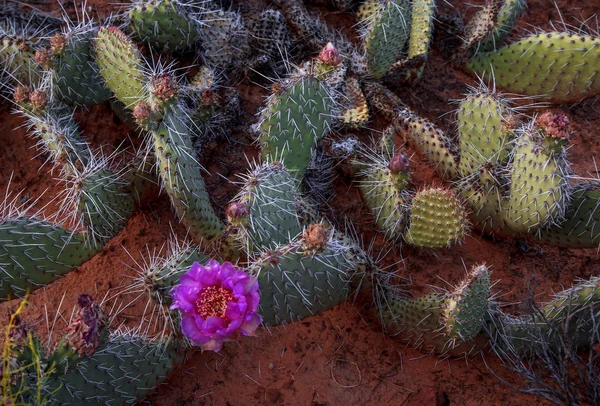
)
(316, 237)
(554, 125)
(39, 99)
(330, 55)
(42, 57)
(164, 86)
(21, 94)
(83, 334)
(236, 211)
(555, 130)
(58, 43)
(141, 111)
(399, 164)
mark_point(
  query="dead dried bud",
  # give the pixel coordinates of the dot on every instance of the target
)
(21, 94)
(42, 57)
(510, 123)
(399, 164)
(236, 210)
(22, 44)
(277, 88)
(555, 125)
(330, 55)
(164, 86)
(316, 236)
(83, 334)
(272, 257)
(58, 43)
(142, 111)
(39, 99)
(17, 334)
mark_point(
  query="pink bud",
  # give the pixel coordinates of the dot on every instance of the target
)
(330, 55)
(399, 164)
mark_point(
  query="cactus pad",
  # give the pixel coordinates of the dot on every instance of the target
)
(437, 219)
(385, 29)
(294, 121)
(557, 66)
(162, 24)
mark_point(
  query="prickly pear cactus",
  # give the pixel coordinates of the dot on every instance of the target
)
(164, 24)
(430, 141)
(180, 177)
(556, 66)
(34, 253)
(121, 66)
(383, 181)
(224, 37)
(142, 365)
(103, 203)
(269, 200)
(309, 275)
(296, 117)
(75, 74)
(17, 61)
(437, 219)
(465, 308)
(581, 227)
(539, 155)
(385, 31)
(485, 126)
(58, 136)
(445, 322)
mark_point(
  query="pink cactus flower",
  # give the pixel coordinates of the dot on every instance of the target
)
(217, 303)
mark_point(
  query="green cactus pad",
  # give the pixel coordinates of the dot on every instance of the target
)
(120, 65)
(430, 141)
(162, 24)
(103, 203)
(465, 308)
(124, 370)
(271, 195)
(447, 322)
(486, 205)
(505, 21)
(384, 192)
(570, 317)
(385, 30)
(415, 321)
(556, 66)
(581, 227)
(294, 121)
(34, 253)
(59, 136)
(75, 75)
(437, 219)
(539, 182)
(485, 131)
(181, 179)
(17, 59)
(299, 280)
(411, 69)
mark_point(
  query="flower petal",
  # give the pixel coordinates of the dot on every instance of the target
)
(248, 328)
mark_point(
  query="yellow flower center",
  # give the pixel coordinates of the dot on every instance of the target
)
(213, 301)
